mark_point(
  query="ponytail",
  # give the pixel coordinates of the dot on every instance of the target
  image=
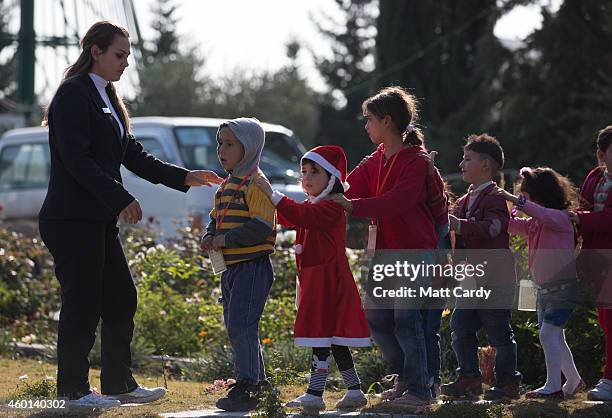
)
(401, 107)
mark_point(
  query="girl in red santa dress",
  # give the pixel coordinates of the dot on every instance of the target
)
(329, 315)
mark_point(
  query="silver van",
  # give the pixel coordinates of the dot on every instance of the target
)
(188, 142)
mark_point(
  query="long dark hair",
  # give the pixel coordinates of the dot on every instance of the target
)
(402, 107)
(101, 34)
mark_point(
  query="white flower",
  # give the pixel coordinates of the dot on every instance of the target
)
(151, 251)
(160, 247)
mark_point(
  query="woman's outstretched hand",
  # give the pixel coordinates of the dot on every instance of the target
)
(343, 201)
(202, 178)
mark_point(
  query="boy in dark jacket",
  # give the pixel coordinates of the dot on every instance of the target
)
(480, 221)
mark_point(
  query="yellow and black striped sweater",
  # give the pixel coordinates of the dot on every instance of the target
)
(249, 224)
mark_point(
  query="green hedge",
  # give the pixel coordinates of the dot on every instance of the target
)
(179, 314)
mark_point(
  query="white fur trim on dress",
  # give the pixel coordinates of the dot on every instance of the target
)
(318, 158)
(328, 341)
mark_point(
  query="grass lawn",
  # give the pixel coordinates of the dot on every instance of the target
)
(190, 396)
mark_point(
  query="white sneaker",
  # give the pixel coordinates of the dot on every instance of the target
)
(307, 401)
(94, 400)
(352, 399)
(141, 395)
(601, 392)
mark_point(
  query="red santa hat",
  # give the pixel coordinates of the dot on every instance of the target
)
(332, 159)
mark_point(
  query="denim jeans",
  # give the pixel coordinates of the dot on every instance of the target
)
(431, 331)
(555, 304)
(244, 288)
(465, 323)
(399, 335)
(432, 316)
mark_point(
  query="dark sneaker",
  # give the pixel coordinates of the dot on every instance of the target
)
(435, 390)
(242, 397)
(463, 387)
(503, 392)
(262, 387)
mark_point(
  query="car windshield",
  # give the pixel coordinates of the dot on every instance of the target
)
(198, 148)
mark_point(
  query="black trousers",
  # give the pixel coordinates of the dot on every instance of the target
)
(95, 284)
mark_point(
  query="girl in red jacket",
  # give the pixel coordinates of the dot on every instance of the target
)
(329, 306)
(594, 220)
(392, 187)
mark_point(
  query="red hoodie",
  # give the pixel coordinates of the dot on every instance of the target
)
(401, 211)
(595, 227)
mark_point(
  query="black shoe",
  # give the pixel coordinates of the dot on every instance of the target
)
(503, 392)
(242, 397)
(262, 387)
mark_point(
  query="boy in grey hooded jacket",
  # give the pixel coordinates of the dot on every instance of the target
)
(242, 225)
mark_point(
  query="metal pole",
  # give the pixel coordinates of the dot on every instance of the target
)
(26, 58)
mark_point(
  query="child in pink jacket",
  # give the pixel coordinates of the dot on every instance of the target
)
(545, 198)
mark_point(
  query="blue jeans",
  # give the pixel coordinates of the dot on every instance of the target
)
(556, 304)
(399, 335)
(465, 323)
(244, 288)
(431, 330)
(432, 316)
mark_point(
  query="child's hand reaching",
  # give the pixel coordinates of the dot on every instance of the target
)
(206, 244)
(265, 186)
(574, 217)
(506, 195)
(430, 158)
(453, 222)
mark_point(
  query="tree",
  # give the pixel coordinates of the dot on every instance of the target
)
(171, 83)
(559, 89)
(347, 73)
(8, 67)
(165, 43)
(445, 52)
(282, 97)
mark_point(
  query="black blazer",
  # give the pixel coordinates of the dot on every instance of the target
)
(86, 154)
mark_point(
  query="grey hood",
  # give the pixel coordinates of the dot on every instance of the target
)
(251, 135)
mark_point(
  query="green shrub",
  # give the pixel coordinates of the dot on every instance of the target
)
(29, 292)
(43, 388)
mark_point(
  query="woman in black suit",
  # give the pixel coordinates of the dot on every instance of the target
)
(89, 139)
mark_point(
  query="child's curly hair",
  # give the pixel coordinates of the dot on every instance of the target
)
(548, 188)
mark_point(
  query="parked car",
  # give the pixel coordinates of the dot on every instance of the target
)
(188, 142)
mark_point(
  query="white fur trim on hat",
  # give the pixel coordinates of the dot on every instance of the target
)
(326, 191)
(318, 158)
